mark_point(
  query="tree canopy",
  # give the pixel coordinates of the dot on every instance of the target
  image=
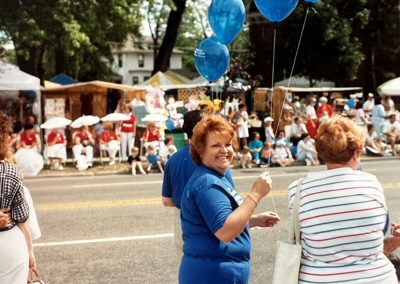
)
(68, 36)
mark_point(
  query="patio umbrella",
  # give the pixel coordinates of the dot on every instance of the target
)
(390, 88)
(55, 122)
(85, 120)
(116, 116)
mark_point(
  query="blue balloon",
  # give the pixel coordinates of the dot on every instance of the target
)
(351, 103)
(170, 124)
(226, 19)
(276, 10)
(211, 59)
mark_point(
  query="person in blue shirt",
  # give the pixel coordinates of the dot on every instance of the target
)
(215, 218)
(177, 172)
(255, 146)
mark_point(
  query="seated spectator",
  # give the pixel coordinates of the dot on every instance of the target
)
(296, 130)
(151, 136)
(373, 142)
(282, 155)
(245, 157)
(109, 141)
(153, 158)
(135, 161)
(164, 151)
(55, 151)
(392, 131)
(324, 110)
(82, 148)
(281, 137)
(306, 151)
(266, 154)
(27, 156)
(255, 147)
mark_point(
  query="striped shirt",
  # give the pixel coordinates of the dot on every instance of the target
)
(342, 214)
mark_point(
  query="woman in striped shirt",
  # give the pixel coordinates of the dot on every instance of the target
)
(342, 213)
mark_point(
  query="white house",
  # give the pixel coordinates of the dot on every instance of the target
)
(134, 60)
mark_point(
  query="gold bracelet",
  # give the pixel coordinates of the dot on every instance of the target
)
(252, 198)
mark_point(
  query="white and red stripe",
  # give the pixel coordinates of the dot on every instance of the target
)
(342, 215)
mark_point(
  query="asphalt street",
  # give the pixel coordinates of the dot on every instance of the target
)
(114, 229)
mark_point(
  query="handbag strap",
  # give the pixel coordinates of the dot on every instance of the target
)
(294, 226)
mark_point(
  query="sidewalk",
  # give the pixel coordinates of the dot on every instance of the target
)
(123, 168)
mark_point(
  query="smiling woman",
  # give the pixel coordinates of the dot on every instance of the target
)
(215, 219)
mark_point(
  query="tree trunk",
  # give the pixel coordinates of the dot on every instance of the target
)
(60, 61)
(34, 64)
(168, 43)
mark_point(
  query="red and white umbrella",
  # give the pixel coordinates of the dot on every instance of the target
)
(55, 122)
(85, 120)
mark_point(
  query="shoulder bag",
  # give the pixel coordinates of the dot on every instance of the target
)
(288, 254)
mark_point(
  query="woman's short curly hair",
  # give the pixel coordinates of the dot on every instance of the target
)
(338, 139)
(5, 122)
(210, 124)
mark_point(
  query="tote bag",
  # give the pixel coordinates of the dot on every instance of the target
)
(288, 254)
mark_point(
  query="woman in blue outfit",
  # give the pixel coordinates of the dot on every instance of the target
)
(215, 218)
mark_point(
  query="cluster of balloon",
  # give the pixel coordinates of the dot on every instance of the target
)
(211, 56)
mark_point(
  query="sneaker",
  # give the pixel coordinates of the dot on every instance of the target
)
(111, 163)
(243, 166)
(308, 162)
(133, 173)
(60, 168)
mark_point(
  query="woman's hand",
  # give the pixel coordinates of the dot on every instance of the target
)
(32, 260)
(5, 218)
(261, 187)
(265, 219)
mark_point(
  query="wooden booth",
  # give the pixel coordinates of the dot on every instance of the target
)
(90, 98)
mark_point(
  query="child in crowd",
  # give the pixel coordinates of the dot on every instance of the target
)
(245, 157)
(306, 151)
(165, 151)
(255, 146)
(153, 158)
(171, 150)
(282, 155)
(266, 154)
(134, 160)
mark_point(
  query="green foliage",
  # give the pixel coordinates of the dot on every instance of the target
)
(79, 32)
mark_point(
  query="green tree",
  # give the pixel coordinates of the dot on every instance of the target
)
(70, 36)
(330, 49)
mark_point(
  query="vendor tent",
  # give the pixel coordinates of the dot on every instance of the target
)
(303, 82)
(90, 98)
(13, 79)
(390, 88)
(63, 79)
(168, 80)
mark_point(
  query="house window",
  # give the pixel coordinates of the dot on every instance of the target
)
(141, 60)
(145, 78)
(135, 80)
(119, 60)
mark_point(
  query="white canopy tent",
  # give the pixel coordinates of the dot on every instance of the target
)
(303, 82)
(13, 80)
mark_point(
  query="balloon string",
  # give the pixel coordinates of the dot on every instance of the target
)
(286, 92)
(292, 70)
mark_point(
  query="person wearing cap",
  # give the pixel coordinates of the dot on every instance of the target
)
(269, 131)
(282, 155)
(324, 110)
(392, 131)
(368, 105)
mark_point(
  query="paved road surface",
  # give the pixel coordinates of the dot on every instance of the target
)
(113, 229)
